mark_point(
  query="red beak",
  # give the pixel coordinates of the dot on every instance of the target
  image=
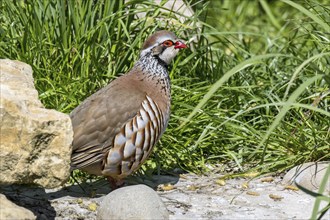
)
(179, 45)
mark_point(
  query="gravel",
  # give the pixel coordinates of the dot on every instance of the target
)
(187, 196)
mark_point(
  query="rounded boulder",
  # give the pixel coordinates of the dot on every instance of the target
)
(132, 202)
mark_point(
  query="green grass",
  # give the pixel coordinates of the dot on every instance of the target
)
(252, 92)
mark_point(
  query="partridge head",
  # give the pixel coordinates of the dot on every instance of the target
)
(116, 128)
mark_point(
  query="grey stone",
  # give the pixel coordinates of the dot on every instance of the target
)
(308, 175)
(35, 142)
(9, 210)
(132, 202)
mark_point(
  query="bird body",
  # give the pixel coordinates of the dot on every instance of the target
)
(116, 128)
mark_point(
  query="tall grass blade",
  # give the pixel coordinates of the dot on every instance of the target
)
(320, 197)
(298, 70)
(289, 103)
(314, 17)
(224, 78)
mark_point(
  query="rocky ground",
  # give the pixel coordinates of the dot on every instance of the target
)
(187, 196)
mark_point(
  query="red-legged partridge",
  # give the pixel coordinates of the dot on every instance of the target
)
(116, 128)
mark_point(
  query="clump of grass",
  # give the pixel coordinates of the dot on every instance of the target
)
(252, 91)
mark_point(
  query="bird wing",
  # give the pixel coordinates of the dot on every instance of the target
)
(100, 117)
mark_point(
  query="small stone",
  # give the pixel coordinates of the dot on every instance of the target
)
(132, 202)
(275, 197)
(92, 207)
(9, 210)
(267, 179)
(291, 187)
(166, 187)
(252, 193)
(220, 182)
(79, 201)
(192, 187)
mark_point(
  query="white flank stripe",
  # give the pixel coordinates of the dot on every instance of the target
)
(140, 121)
(129, 149)
(128, 130)
(120, 139)
(144, 116)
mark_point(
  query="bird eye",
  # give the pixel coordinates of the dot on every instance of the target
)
(168, 43)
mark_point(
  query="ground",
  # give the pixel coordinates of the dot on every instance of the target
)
(187, 196)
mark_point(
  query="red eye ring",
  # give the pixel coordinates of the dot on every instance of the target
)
(168, 43)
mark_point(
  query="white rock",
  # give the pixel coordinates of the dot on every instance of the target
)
(308, 175)
(35, 142)
(132, 202)
(9, 210)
